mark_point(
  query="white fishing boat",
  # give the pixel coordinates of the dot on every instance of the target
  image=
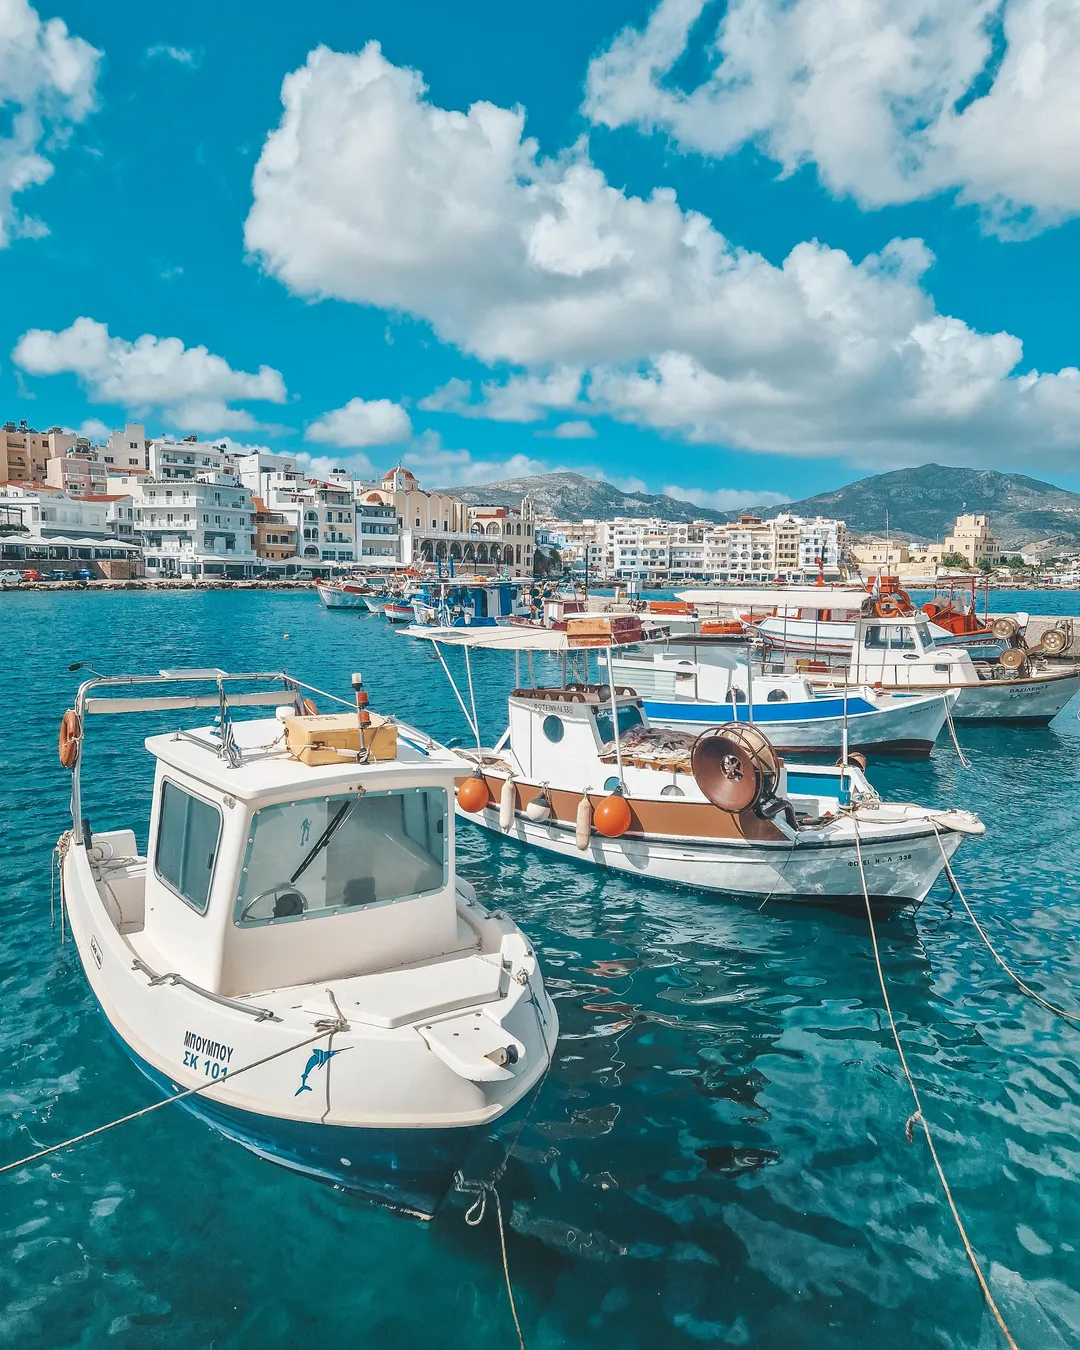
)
(343, 594)
(396, 609)
(294, 953)
(691, 687)
(820, 620)
(473, 602)
(580, 772)
(375, 603)
(900, 656)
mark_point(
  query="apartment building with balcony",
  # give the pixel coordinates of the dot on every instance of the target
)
(193, 527)
(275, 534)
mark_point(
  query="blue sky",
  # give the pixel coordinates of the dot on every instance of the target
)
(743, 252)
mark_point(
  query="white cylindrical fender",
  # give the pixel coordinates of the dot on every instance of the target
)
(583, 826)
(507, 804)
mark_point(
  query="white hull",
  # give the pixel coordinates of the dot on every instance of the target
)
(1022, 700)
(900, 865)
(334, 598)
(901, 726)
(375, 603)
(393, 1120)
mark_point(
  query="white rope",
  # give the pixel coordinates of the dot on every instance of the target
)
(1027, 989)
(952, 732)
(154, 1106)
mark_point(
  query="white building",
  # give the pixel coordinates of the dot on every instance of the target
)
(186, 459)
(193, 527)
(256, 469)
(323, 513)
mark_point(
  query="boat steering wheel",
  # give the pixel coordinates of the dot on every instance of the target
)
(296, 901)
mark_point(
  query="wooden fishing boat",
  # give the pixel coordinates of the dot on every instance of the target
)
(579, 771)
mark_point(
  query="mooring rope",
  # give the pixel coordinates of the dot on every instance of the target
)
(952, 732)
(474, 1216)
(154, 1106)
(1074, 1018)
(917, 1114)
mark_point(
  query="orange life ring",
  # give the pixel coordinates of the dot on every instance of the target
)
(308, 709)
(70, 739)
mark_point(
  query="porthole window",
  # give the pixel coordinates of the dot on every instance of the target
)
(672, 790)
(553, 729)
(735, 696)
(610, 784)
(777, 696)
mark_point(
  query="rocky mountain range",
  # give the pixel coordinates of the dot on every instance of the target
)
(921, 503)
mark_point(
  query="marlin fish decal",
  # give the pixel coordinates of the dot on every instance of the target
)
(315, 1061)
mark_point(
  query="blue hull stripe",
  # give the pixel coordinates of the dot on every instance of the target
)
(714, 713)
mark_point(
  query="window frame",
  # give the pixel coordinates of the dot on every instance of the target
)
(239, 901)
(170, 782)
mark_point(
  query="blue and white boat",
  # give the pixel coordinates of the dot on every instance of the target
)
(474, 603)
(294, 951)
(694, 693)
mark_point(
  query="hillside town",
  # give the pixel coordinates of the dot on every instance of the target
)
(164, 509)
(160, 508)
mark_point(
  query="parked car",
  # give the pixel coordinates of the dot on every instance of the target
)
(302, 576)
(32, 574)
(10, 576)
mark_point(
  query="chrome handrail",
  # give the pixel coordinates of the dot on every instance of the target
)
(259, 1014)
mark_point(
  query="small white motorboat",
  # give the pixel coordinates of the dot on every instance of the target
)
(580, 772)
(296, 944)
(692, 687)
(375, 603)
(398, 610)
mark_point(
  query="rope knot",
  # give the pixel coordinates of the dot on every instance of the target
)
(909, 1126)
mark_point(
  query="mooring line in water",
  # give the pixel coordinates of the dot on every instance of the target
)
(474, 1216)
(155, 1106)
(952, 732)
(1074, 1018)
(917, 1115)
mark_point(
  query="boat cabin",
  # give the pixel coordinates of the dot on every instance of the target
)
(264, 872)
(895, 651)
(550, 728)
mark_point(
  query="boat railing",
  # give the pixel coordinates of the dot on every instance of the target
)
(222, 699)
(173, 977)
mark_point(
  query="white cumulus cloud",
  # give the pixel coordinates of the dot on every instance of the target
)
(520, 398)
(362, 422)
(725, 499)
(892, 100)
(190, 385)
(47, 79)
(575, 431)
(183, 56)
(368, 192)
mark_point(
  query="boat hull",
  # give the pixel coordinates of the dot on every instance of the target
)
(395, 613)
(407, 1170)
(903, 727)
(401, 1122)
(900, 868)
(334, 598)
(1032, 701)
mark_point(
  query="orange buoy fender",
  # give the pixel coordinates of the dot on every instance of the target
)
(473, 795)
(507, 804)
(612, 816)
(70, 739)
(583, 823)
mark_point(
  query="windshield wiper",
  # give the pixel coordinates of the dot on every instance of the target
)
(339, 819)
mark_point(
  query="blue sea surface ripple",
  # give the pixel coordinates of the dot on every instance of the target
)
(718, 1156)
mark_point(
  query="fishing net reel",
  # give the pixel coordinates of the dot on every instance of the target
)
(737, 769)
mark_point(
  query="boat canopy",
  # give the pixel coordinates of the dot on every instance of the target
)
(525, 638)
(794, 597)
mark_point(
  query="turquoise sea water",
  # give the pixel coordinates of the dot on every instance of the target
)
(718, 1156)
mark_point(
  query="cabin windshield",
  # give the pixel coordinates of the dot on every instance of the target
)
(629, 716)
(327, 854)
(889, 637)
